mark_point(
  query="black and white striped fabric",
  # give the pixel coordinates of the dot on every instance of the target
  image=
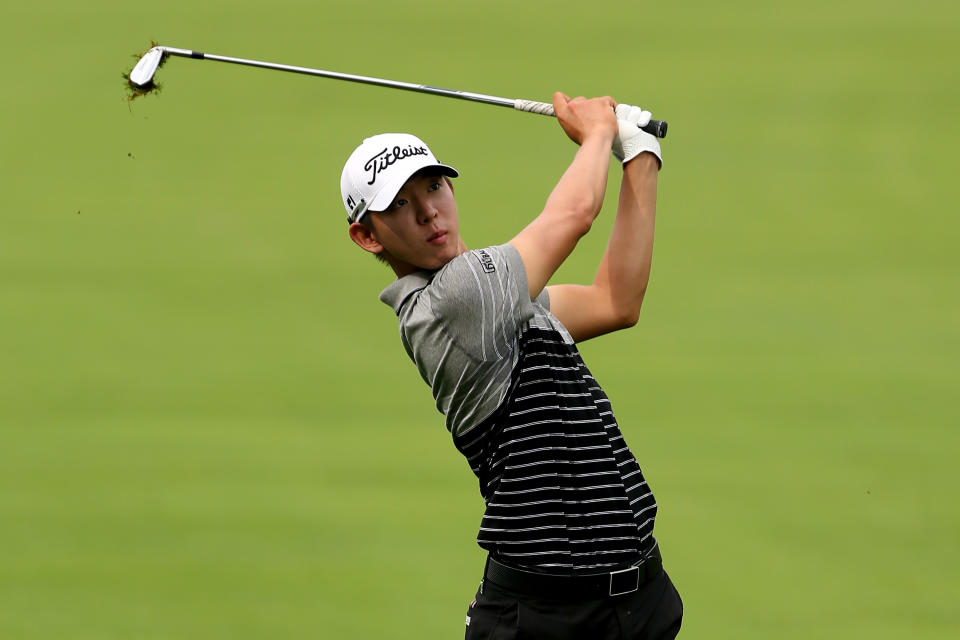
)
(563, 491)
(564, 494)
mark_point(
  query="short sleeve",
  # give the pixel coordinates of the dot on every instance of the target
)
(483, 300)
(544, 299)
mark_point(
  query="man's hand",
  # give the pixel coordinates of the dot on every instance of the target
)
(582, 118)
(631, 140)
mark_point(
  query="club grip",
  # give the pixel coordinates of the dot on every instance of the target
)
(654, 127)
(657, 128)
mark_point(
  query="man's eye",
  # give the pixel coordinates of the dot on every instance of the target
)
(399, 202)
(434, 186)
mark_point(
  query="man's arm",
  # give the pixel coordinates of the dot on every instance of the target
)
(613, 301)
(576, 200)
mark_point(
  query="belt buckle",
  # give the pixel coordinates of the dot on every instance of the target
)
(632, 585)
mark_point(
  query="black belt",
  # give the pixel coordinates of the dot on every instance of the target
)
(595, 585)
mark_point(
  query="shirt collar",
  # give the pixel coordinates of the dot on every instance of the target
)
(402, 288)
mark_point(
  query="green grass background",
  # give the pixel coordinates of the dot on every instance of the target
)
(209, 429)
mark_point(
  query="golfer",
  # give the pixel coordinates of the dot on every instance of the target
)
(569, 517)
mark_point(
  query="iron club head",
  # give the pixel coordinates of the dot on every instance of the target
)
(142, 75)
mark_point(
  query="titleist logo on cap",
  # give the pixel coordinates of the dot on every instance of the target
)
(387, 157)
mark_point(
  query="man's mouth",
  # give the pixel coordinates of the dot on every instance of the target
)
(438, 238)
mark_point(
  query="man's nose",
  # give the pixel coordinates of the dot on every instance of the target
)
(426, 211)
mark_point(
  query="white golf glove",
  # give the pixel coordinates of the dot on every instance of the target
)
(631, 140)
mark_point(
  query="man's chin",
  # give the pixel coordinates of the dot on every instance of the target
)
(435, 262)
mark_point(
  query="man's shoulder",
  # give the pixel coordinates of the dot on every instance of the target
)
(475, 265)
(461, 274)
(489, 259)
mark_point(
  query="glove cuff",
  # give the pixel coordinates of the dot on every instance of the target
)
(640, 144)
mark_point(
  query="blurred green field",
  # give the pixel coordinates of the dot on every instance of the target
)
(207, 421)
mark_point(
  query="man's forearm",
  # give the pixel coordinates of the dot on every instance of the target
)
(568, 214)
(625, 268)
(584, 183)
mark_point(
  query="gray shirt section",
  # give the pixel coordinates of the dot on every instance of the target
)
(461, 326)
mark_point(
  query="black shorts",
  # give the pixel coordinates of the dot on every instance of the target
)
(652, 612)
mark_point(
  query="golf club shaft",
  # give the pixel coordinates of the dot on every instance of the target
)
(655, 127)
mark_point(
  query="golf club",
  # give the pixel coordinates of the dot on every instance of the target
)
(141, 79)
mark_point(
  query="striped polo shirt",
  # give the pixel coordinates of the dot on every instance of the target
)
(563, 492)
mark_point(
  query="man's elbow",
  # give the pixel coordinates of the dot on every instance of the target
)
(627, 320)
(581, 213)
(628, 315)
(580, 218)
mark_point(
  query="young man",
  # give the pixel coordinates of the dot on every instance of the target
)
(569, 517)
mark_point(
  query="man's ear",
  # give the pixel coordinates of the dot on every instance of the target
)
(364, 237)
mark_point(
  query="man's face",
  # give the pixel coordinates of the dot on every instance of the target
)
(420, 229)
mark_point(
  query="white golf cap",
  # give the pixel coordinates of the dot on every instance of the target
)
(378, 169)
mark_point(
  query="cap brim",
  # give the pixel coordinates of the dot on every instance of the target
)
(390, 190)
